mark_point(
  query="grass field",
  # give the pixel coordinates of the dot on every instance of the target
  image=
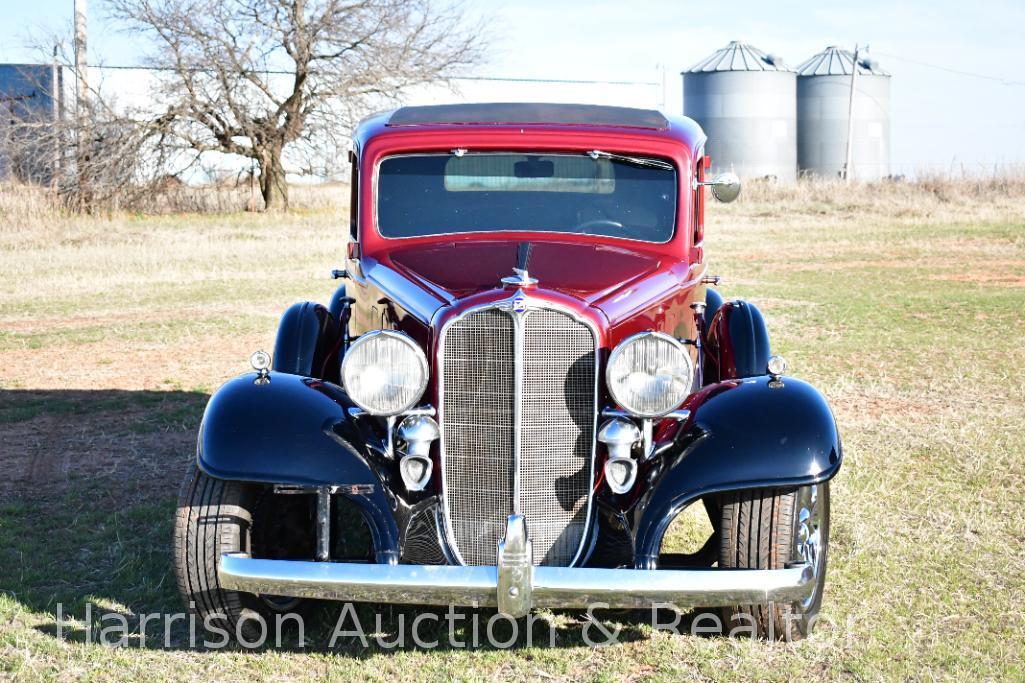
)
(905, 304)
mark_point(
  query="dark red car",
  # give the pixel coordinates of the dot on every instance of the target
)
(525, 379)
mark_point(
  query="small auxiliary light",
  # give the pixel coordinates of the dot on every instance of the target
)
(260, 360)
(777, 366)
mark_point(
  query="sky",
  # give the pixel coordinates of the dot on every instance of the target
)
(940, 120)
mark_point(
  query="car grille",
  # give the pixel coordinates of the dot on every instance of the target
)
(480, 365)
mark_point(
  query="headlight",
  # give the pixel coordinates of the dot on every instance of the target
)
(650, 374)
(384, 372)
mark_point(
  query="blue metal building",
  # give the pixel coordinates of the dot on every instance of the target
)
(30, 99)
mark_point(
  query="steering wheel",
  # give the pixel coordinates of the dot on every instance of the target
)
(608, 223)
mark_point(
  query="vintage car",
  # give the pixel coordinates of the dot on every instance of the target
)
(524, 379)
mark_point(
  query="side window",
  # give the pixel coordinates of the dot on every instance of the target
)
(701, 167)
(354, 197)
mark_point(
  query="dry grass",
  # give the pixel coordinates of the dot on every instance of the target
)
(900, 301)
(883, 195)
(25, 205)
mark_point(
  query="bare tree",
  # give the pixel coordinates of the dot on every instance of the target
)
(283, 80)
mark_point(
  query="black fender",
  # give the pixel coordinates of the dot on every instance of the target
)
(308, 342)
(713, 300)
(737, 342)
(297, 430)
(709, 363)
(742, 434)
(338, 303)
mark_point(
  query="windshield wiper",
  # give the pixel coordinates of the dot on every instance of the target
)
(636, 161)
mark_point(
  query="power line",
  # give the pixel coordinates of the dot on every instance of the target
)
(552, 80)
(577, 81)
(959, 72)
(196, 69)
(283, 72)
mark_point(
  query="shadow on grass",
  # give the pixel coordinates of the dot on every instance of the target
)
(86, 514)
(88, 493)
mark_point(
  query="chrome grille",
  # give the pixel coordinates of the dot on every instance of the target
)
(479, 368)
(478, 419)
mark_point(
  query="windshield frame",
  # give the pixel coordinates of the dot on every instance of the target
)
(673, 233)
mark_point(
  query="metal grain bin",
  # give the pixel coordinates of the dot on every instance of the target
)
(823, 100)
(746, 102)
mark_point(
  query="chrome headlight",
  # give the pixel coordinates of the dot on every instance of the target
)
(650, 374)
(384, 372)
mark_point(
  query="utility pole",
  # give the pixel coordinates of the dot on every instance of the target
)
(81, 60)
(57, 102)
(81, 101)
(662, 70)
(850, 118)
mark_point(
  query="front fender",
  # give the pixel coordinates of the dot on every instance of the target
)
(296, 430)
(742, 434)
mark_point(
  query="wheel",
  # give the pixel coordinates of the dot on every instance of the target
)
(769, 529)
(216, 517)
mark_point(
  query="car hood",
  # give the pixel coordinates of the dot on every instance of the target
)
(586, 271)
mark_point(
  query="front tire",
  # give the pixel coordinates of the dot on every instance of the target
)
(216, 517)
(769, 529)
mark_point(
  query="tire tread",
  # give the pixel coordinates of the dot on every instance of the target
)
(755, 533)
(212, 518)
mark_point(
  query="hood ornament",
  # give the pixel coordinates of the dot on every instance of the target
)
(522, 277)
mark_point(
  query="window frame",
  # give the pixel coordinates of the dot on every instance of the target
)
(702, 165)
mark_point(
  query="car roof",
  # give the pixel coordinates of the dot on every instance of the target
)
(514, 124)
(527, 113)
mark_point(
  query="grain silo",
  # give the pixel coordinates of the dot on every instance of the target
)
(823, 106)
(746, 102)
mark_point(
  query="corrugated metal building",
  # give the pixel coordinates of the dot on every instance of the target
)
(30, 97)
(823, 101)
(746, 102)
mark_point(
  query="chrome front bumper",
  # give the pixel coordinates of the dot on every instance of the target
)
(514, 585)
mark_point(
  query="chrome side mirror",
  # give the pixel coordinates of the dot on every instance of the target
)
(725, 187)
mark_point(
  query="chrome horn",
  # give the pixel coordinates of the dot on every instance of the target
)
(416, 466)
(619, 436)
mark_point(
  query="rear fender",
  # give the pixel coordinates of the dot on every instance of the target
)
(297, 430)
(742, 434)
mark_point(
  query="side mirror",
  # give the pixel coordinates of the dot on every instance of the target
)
(725, 187)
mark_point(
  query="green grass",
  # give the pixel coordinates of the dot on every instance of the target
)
(908, 315)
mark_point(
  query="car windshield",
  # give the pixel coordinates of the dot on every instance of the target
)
(597, 193)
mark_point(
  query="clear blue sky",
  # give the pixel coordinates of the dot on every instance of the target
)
(940, 119)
